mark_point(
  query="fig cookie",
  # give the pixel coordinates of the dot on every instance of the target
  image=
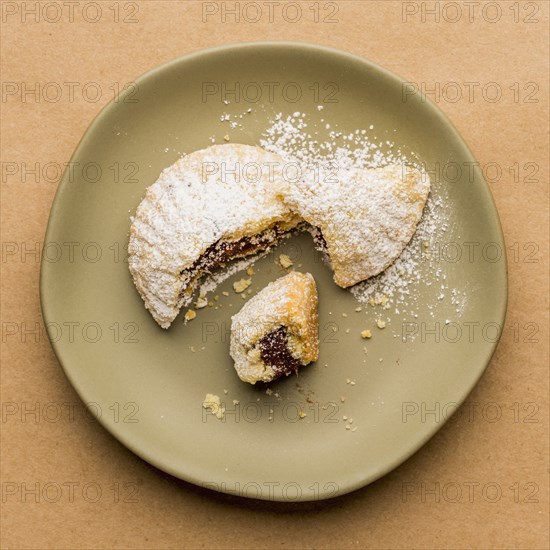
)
(276, 331)
(210, 207)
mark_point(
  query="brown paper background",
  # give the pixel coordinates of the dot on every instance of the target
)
(168, 513)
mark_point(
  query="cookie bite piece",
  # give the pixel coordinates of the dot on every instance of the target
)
(276, 331)
(361, 218)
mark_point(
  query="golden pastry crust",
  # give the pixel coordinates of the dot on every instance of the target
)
(290, 302)
(204, 199)
(366, 216)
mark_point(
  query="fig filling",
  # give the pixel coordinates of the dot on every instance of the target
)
(275, 353)
(224, 251)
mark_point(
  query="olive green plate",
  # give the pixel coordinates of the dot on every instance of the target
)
(147, 385)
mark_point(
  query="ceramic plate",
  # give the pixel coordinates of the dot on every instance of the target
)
(147, 385)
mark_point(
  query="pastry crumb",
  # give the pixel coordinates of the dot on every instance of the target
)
(212, 402)
(190, 314)
(225, 293)
(226, 137)
(201, 302)
(342, 398)
(285, 261)
(250, 271)
(366, 334)
(302, 414)
(380, 323)
(358, 309)
(242, 285)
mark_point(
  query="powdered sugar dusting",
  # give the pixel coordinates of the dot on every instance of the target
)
(397, 286)
(360, 157)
